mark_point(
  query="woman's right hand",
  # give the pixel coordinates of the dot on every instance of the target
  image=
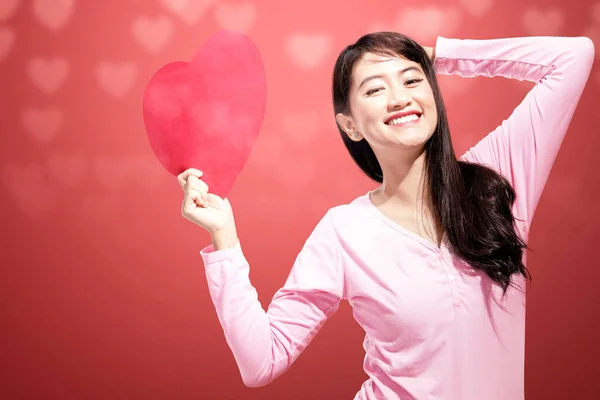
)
(201, 207)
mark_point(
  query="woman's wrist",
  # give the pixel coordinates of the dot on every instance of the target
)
(224, 237)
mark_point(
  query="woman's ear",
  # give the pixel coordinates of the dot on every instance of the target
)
(345, 122)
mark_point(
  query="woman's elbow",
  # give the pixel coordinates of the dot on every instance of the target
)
(257, 379)
(587, 48)
(254, 382)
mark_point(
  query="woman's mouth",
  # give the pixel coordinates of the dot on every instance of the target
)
(405, 121)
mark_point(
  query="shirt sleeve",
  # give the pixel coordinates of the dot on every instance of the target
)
(265, 344)
(524, 146)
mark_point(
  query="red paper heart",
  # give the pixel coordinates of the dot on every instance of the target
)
(207, 113)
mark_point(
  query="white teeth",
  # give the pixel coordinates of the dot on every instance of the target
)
(408, 118)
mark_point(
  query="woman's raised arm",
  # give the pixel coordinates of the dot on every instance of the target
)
(524, 146)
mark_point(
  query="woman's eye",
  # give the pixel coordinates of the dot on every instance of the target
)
(411, 81)
(408, 82)
(372, 91)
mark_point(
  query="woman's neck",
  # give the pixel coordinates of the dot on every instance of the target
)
(404, 183)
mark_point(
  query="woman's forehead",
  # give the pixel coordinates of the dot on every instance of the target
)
(371, 61)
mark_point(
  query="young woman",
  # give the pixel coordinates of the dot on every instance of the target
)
(433, 260)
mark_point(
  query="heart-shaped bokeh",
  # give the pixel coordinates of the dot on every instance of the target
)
(207, 113)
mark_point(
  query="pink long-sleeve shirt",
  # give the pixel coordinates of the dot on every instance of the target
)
(435, 328)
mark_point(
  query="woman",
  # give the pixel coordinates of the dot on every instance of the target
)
(432, 261)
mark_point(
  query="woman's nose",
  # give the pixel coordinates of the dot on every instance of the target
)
(399, 98)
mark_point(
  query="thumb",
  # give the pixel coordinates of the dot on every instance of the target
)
(215, 201)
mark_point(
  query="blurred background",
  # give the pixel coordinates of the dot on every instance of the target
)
(102, 288)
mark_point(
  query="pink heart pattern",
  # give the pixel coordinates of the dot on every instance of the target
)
(177, 7)
(236, 17)
(28, 187)
(116, 78)
(42, 124)
(68, 170)
(309, 50)
(48, 75)
(152, 33)
(477, 8)
(189, 11)
(54, 14)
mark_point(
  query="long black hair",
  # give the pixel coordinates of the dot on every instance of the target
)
(471, 202)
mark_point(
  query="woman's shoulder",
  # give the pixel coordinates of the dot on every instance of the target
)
(350, 213)
(351, 206)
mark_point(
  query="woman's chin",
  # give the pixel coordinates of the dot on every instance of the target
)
(410, 140)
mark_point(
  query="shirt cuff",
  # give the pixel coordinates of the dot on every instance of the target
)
(211, 256)
(444, 47)
(443, 53)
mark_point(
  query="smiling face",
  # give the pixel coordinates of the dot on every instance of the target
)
(382, 87)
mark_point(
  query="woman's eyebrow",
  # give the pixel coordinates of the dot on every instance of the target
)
(367, 79)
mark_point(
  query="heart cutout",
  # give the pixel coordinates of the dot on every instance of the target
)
(207, 113)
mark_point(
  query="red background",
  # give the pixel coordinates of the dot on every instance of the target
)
(103, 293)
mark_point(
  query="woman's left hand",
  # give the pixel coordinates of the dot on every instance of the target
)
(430, 52)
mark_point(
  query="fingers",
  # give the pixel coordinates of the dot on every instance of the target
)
(191, 201)
(197, 197)
(196, 190)
(190, 179)
(194, 183)
(183, 177)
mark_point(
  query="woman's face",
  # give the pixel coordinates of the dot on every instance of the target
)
(382, 87)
